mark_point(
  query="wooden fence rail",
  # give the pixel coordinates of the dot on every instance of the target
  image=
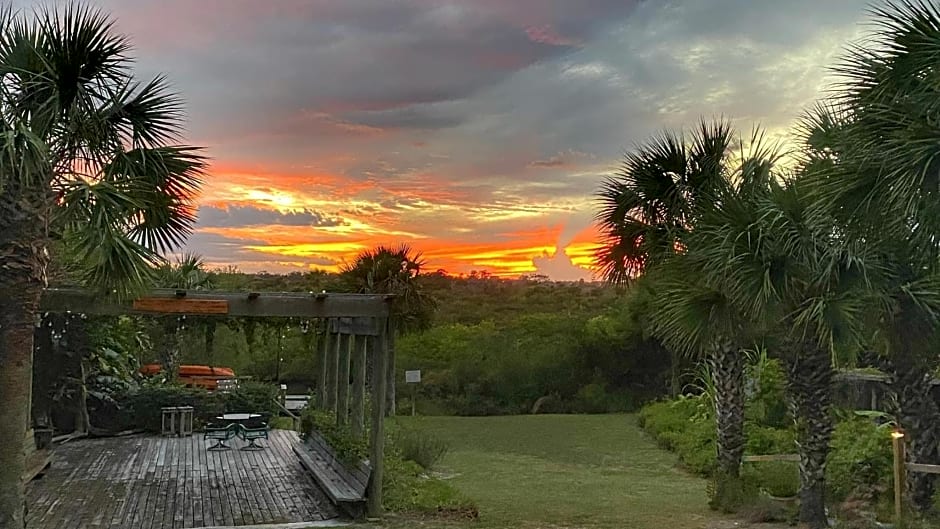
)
(771, 457)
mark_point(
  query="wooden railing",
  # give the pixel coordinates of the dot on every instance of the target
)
(295, 420)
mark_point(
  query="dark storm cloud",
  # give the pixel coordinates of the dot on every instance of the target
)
(235, 215)
(263, 61)
(211, 244)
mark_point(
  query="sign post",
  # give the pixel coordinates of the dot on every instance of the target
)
(413, 378)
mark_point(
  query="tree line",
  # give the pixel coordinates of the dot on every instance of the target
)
(820, 261)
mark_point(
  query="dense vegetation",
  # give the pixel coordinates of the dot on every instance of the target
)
(497, 346)
(858, 465)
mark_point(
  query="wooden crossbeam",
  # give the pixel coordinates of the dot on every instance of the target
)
(263, 304)
(180, 306)
(771, 457)
(924, 469)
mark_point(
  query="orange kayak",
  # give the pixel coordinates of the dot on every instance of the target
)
(194, 375)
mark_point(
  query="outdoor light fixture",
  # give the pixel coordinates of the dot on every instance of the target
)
(897, 434)
(180, 293)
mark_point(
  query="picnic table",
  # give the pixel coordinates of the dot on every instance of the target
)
(237, 417)
(247, 426)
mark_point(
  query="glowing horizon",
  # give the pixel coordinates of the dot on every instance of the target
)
(475, 132)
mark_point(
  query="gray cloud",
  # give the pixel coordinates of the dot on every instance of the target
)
(236, 215)
(481, 102)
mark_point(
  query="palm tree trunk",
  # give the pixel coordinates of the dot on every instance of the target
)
(170, 349)
(210, 325)
(727, 370)
(726, 365)
(809, 386)
(919, 415)
(22, 276)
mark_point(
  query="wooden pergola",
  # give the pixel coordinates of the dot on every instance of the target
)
(354, 324)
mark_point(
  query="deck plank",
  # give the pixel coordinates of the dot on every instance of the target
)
(155, 482)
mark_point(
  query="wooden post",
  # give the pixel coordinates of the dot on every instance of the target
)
(323, 348)
(377, 435)
(332, 366)
(357, 412)
(342, 393)
(897, 442)
(391, 369)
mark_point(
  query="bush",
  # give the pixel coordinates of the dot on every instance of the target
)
(684, 426)
(349, 448)
(780, 479)
(252, 397)
(765, 440)
(766, 393)
(860, 462)
(596, 398)
(141, 406)
(420, 447)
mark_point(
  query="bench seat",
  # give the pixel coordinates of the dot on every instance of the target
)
(344, 484)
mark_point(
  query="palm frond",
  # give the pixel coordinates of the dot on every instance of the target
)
(164, 181)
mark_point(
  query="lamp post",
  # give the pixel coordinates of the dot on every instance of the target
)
(897, 443)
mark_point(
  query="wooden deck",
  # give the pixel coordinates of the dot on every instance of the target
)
(159, 482)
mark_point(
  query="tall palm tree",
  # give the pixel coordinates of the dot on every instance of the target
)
(873, 153)
(388, 270)
(697, 318)
(188, 273)
(649, 205)
(647, 212)
(790, 273)
(87, 153)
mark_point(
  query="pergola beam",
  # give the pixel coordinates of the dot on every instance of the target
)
(174, 301)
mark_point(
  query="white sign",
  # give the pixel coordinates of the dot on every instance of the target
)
(413, 377)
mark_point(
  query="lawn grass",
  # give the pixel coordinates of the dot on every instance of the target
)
(561, 471)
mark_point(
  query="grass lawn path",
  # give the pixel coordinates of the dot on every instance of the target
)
(565, 471)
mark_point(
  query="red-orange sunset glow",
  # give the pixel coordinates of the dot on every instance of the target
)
(475, 131)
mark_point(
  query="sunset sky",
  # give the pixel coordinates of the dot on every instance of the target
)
(474, 130)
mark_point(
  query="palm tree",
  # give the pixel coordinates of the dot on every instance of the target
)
(790, 273)
(188, 273)
(388, 270)
(648, 211)
(872, 152)
(649, 205)
(86, 153)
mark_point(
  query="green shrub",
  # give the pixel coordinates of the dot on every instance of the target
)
(420, 447)
(684, 427)
(252, 397)
(766, 393)
(141, 406)
(777, 478)
(766, 440)
(348, 448)
(596, 397)
(860, 462)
